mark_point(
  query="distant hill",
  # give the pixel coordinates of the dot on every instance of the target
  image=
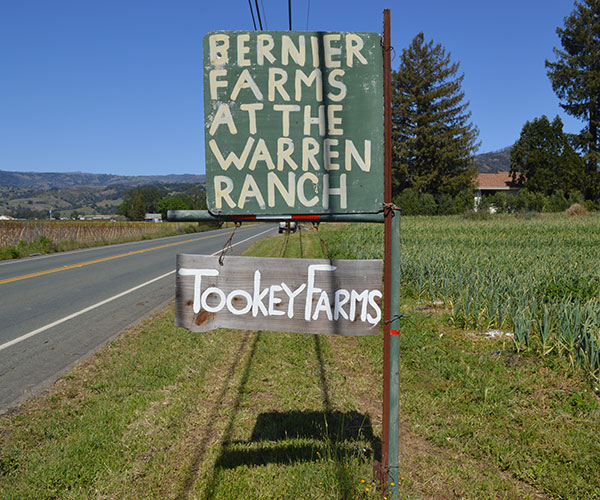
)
(493, 162)
(102, 193)
(49, 180)
(34, 194)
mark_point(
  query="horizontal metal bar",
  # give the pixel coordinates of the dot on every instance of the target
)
(205, 215)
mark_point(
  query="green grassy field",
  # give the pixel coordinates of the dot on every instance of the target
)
(165, 413)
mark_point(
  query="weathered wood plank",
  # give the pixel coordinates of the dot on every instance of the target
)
(341, 297)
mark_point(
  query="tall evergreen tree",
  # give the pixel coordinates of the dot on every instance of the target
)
(433, 138)
(575, 75)
(543, 159)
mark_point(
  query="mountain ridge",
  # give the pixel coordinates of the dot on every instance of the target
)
(493, 161)
(61, 180)
(35, 194)
(490, 162)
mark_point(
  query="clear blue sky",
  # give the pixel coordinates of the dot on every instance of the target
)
(108, 86)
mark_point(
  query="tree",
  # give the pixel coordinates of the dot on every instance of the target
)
(544, 160)
(138, 206)
(139, 201)
(193, 199)
(197, 200)
(433, 138)
(575, 77)
(179, 202)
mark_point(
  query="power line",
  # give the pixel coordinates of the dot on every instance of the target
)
(290, 12)
(264, 15)
(307, 14)
(258, 14)
(252, 12)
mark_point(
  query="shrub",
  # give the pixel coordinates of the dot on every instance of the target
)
(536, 202)
(499, 201)
(428, 204)
(576, 197)
(480, 214)
(445, 204)
(556, 202)
(525, 201)
(463, 201)
(483, 205)
(408, 201)
(12, 253)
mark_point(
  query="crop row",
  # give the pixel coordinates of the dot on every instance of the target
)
(539, 278)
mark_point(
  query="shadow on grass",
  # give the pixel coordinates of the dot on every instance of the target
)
(201, 450)
(276, 434)
(275, 438)
(300, 436)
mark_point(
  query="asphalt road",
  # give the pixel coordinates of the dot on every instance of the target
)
(58, 309)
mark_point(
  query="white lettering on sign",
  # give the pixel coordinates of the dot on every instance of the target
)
(298, 188)
(219, 44)
(279, 299)
(290, 102)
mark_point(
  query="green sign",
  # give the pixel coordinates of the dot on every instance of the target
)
(293, 122)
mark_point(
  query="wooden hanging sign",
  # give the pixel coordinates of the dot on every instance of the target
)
(341, 297)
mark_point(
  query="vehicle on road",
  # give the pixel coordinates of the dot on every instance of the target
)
(287, 226)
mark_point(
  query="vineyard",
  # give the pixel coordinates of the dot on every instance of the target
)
(21, 238)
(537, 279)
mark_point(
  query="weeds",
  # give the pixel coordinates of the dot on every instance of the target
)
(23, 238)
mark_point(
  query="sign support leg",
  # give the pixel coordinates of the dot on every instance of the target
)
(394, 365)
(391, 349)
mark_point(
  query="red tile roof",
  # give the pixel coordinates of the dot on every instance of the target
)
(499, 180)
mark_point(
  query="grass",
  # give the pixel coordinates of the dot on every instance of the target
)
(165, 413)
(476, 396)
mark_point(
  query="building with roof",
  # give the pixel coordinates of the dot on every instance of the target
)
(489, 184)
(153, 218)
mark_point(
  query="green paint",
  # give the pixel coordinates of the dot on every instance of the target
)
(289, 115)
(206, 216)
(394, 416)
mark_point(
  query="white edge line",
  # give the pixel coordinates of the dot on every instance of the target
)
(105, 301)
(79, 313)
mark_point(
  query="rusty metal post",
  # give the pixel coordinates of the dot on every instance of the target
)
(387, 197)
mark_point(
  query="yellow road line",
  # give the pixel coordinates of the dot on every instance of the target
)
(96, 261)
